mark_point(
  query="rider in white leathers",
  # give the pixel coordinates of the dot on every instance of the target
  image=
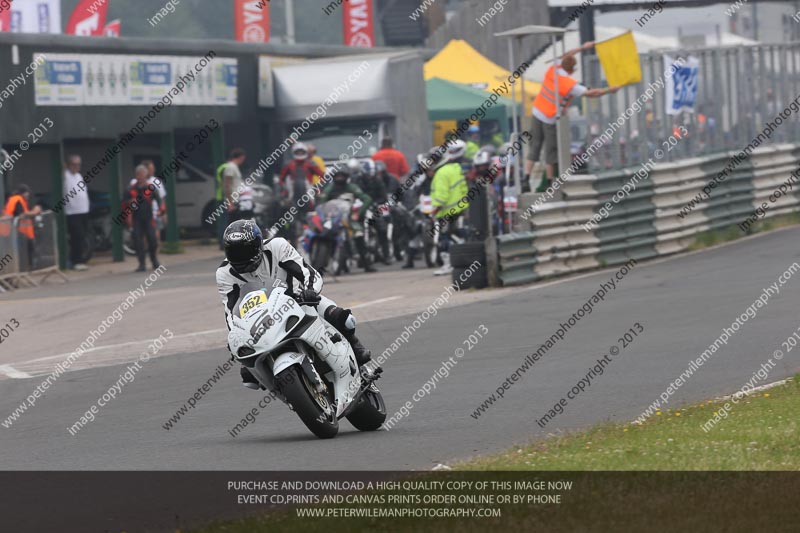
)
(251, 258)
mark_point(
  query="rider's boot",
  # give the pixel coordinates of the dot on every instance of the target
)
(345, 323)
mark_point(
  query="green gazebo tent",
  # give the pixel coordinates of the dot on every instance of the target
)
(454, 101)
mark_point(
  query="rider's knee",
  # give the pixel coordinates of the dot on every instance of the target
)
(341, 319)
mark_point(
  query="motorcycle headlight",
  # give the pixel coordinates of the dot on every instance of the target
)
(328, 224)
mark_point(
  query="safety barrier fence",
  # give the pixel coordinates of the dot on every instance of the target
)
(644, 223)
(738, 89)
(24, 259)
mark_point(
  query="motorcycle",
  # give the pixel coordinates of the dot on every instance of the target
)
(415, 228)
(300, 358)
(325, 233)
(98, 238)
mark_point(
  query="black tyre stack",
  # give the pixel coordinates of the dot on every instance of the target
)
(463, 258)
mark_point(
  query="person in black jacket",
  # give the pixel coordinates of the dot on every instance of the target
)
(141, 196)
(372, 184)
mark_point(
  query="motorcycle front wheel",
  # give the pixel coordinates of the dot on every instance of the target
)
(313, 408)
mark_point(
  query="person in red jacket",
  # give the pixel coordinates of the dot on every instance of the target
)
(296, 179)
(302, 169)
(394, 160)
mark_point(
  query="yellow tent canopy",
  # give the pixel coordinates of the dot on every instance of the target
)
(461, 63)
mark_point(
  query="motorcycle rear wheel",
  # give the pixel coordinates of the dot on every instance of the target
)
(309, 405)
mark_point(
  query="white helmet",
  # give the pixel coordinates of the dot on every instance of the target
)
(369, 168)
(300, 151)
(354, 166)
(483, 157)
(456, 150)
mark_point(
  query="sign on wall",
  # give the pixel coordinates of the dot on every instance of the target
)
(108, 79)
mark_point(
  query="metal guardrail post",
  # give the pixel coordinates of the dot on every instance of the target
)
(115, 175)
(172, 245)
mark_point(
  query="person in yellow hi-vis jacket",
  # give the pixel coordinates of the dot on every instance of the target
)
(449, 199)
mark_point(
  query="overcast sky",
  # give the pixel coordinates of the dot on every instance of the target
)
(701, 20)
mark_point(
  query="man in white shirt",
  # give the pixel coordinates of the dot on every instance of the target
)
(77, 212)
(544, 111)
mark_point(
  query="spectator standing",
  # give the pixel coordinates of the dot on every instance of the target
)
(77, 212)
(229, 180)
(449, 198)
(142, 195)
(473, 141)
(17, 206)
(317, 160)
(395, 161)
(159, 212)
(544, 111)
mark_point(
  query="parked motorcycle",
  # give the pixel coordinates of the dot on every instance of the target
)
(98, 238)
(299, 357)
(325, 233)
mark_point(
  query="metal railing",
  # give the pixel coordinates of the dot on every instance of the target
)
(22, 258)
(739, 89)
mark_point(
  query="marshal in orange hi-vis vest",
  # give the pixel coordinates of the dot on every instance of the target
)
(545, 101)
(25, 225)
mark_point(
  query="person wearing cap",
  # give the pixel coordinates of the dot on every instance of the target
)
(544, 111)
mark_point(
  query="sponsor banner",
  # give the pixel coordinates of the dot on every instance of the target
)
(33, 16)
(5, 19)
(681, 87)
(108, 79)
(113, 28)
(251, 21)
(359, 29)
(88, 18)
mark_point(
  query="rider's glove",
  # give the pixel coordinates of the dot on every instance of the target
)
(308, 297)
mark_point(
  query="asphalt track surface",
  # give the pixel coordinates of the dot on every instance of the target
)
(682, 302)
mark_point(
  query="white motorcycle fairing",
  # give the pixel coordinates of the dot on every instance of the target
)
(272, 332)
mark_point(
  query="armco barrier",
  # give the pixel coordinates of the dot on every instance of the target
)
(644, 224)
(22, 259)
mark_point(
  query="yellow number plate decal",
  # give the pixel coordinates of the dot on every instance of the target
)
(251, 303)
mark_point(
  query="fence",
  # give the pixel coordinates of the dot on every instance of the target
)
(738, 90)
(645, 224)
(22, 258)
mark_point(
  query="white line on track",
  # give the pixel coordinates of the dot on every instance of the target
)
(12, 372)
(373, 302)
(110, 361)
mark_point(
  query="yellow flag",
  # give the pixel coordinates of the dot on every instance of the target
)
(620, 60)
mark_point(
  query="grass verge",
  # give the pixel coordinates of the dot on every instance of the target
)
(733, 232)
(759, 433)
